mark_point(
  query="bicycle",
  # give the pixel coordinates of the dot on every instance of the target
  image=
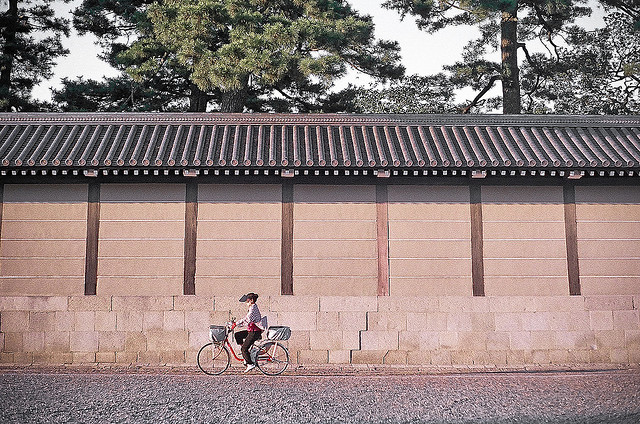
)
(270, 356)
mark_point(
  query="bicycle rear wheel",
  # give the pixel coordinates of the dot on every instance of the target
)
(214, 358)
(273, 358)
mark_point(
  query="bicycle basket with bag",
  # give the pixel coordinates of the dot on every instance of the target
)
(278, 333)
(217, 333)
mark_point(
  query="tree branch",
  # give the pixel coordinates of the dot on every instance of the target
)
(453, 5)
(523, 46)
(546, 26)
(484, 91)
(309, 106)
(624, 7)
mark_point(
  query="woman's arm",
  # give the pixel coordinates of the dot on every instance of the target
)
(253, 315)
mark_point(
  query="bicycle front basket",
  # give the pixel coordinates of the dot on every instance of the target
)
(217, 333)
(278, 333)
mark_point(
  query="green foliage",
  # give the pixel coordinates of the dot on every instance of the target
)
(284, 46)
(599, 73)
(413, 94)
(629, 7)
(110, 20)
(255, 55)
(30, 42)
(285, 55)
(588, 72)
(163, 84)
(113, 95)
(546, 21)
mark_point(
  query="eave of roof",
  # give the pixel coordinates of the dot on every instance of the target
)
(317, 142)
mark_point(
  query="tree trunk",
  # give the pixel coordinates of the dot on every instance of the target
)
(510, 71)
(10, 24)
(233, 101)
(198, 99)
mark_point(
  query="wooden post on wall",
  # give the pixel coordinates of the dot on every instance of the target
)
(190, 238)
(382, 224)
(571, 234)
(477, 249)
(1, 203)
(93, 230)
(286, 253)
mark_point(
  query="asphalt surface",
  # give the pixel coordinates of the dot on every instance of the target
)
(547, 397)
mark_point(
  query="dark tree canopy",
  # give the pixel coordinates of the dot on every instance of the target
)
(599, 73)
(232, 55)
(286, 55)
(117, 24)
(412, 94)
(629, 7)
(113, 95)
(506, 26)
(30, 42)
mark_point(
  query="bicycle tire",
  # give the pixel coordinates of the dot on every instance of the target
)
(272, 358)
(214, 359)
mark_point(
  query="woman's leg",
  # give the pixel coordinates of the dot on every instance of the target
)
(251, 338)
(240, 336)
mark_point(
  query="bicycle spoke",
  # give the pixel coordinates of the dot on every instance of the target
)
(273, 358)
(213, 358)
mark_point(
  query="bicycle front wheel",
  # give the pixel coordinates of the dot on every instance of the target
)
(273, 358)
(214, 358)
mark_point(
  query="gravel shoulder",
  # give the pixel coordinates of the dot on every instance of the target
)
(29, 395)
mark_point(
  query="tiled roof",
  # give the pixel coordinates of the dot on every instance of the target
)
(276, 141)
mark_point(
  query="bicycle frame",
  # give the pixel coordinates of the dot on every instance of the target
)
(270, 356)
(227, 343)
(240, 358)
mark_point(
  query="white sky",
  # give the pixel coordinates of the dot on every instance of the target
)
(422, 53)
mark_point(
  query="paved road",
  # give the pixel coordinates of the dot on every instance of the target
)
(586, 397)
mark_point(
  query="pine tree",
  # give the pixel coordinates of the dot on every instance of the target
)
(412, 94)
(287, 47)
(600, 73)
(629, 7)
(31, 41)
(505, 26)
(232, 55)
(116, 24)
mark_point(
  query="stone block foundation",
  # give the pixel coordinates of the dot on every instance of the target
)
(448, 330)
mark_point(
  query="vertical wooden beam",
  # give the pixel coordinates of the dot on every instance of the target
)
(286, 254)
(1, 204)
(190, 238)
(382, 224)
(571, 234)
(93, 232)
(477, 249)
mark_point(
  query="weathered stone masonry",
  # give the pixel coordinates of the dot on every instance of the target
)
(447, 330)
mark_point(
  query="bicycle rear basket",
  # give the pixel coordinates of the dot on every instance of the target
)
(278, 333)
(217, 333)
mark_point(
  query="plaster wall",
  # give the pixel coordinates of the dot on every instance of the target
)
(239, 237)
(141, 239)
(524, 241)
(334, 247)
(608, 221)
(429, 241)
(430, 317)
(42, 245)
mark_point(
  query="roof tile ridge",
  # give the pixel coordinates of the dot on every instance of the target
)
(318, 118)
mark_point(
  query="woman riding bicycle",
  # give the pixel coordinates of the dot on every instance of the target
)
(270, 356)
(247, 337)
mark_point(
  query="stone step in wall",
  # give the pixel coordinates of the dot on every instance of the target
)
(506, 330)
